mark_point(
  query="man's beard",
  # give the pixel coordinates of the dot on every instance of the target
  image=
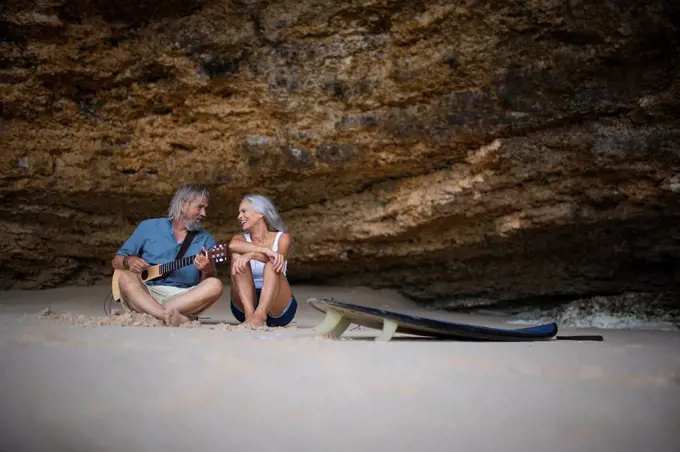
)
(194, 224)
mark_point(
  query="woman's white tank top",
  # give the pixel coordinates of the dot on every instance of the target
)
(257, 267)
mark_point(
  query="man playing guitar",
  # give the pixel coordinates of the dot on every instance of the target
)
(181, 292)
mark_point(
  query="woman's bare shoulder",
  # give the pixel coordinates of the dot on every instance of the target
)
(238, 238)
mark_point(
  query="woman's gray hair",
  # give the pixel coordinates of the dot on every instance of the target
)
(185, 194)
(264, 206)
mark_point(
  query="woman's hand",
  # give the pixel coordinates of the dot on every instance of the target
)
(238, 265)
(276, 259)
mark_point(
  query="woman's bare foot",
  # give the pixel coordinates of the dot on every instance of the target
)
(173, 317)
(255, 320)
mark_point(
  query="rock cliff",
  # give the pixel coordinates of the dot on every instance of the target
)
(492, 150)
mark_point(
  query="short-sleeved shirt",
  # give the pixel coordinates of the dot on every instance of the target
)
(155, 242)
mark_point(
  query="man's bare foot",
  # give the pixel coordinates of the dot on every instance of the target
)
(173, 317)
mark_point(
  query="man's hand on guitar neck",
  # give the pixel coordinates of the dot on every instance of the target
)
(204, 264)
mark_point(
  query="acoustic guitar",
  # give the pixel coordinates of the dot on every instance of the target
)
(218, 254)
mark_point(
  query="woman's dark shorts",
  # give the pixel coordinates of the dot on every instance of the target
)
(284, 319)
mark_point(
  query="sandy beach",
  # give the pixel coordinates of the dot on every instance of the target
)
(69, 386)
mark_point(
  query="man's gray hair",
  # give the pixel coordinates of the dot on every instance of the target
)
(264, 206)
(186, 194)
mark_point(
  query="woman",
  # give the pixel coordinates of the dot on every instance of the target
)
(260, 293)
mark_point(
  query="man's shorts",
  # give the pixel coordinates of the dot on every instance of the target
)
(162, 294)
(284, 319)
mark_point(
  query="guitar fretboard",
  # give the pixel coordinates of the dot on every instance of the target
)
(174, 265)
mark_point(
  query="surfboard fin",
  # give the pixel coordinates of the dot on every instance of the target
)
(333, 325)
(389, 328)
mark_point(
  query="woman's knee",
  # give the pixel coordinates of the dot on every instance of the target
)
(241, 278)
(270, 271)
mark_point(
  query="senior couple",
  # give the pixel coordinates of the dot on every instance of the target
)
(260, 292)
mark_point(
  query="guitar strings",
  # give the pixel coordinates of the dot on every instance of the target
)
(174, 265)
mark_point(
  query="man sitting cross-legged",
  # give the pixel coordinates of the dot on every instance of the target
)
(186, 291)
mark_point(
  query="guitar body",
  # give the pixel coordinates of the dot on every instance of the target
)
(217, 254)
(147, 274)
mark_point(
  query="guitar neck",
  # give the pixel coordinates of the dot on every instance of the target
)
(174, 265)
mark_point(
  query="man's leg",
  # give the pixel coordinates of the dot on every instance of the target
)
(275, 295)
(196, 300)
(137, 296)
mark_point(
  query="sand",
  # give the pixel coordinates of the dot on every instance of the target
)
(74, 379)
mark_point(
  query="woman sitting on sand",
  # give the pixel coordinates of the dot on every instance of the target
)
(260, 292)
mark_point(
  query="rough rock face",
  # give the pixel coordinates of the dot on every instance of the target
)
(497, 150)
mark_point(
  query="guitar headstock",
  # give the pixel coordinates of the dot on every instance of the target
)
(220, 253)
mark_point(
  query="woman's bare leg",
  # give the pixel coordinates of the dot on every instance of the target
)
(243, 291)
(275, 295)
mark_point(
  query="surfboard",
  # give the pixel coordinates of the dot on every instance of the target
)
(339, 316)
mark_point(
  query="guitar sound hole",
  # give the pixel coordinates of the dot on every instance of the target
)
(145, 273)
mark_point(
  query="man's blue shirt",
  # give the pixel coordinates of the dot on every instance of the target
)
(154, 241)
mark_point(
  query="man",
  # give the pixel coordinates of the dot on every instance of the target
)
(186, 291)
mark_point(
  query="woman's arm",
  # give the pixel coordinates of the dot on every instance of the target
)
(239, 245)
(279, 257)
(284, 245)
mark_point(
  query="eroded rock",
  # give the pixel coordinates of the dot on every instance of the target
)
(486, 150)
